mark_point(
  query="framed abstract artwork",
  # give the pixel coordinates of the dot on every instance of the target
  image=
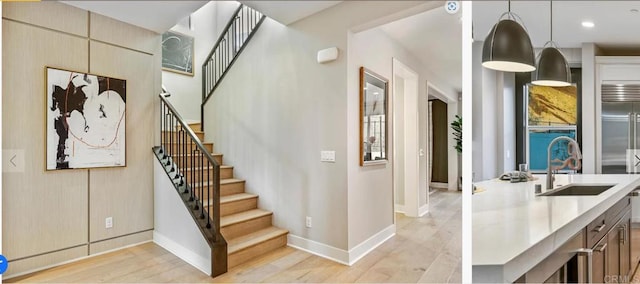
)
(85, 120)
(177, 53)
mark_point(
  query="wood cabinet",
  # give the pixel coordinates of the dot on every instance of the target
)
(612, 253)
(609, 238)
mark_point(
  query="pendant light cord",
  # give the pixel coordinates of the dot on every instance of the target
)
(551, 16)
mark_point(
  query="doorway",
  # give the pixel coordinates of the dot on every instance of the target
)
(444, 160)
(437, 175)
(410, 198)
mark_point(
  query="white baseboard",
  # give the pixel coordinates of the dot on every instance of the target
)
(183, 253)
(339, 255)
(424, 209)
(442, 185)
(370, 244)
(319, 249)
(399, 208)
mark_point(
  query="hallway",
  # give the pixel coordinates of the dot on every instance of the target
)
(426, 249)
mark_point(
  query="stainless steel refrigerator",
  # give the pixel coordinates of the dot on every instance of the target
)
(620, 125)
(621, 131)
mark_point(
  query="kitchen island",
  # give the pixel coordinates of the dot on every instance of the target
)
(514, 229)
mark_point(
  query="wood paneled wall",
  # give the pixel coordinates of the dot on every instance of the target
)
(55, 216)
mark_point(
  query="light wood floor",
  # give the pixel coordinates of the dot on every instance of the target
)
(426, 249)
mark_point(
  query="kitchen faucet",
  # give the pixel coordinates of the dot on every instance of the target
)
(575, 155)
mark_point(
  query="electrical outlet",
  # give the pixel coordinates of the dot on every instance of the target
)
(108, 222)
(308, 222)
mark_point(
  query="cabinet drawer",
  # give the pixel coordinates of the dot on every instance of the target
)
(617, 211)
(596, 230)
(601, 225)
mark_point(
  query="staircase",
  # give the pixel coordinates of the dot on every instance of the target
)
(246, 228)
(228, 217)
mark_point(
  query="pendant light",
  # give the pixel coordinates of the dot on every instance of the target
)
(553, 69)
(508, 46)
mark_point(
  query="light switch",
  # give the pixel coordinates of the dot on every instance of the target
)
(421, 152)
(328, 156)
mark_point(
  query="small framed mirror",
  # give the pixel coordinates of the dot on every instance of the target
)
(373, 118)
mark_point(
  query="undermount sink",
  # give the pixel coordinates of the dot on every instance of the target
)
(577, 189)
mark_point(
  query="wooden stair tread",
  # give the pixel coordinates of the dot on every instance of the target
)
(222, 182)
(198, 168)
(237, 244)
(189, 155)
(236, 197)
(205, 143)
(177, 131)
(230, 180)
(243, 216)
(232, 198)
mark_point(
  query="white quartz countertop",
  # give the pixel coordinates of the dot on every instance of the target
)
(514, 229)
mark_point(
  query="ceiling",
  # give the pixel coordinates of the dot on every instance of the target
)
(615, 24)
(158, 16)
(434, 37)
(287, 12)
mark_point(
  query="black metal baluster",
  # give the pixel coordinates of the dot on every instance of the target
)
(194, 181)
(209, 167)
(183, 166)
(202, 187)
(196, 160)
(190, 182)
(162, 133)
(166, 142)
(241, 15)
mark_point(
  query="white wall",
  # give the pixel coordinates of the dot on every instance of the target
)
(494, 145)
(507, 125)
(375, 50)
(477, 122)
(398, 146)
(589, 52)
(174, 228)
(277, 108)
(207, 23)
(486, 86)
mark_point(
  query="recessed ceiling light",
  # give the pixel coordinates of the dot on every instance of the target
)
(588, 24)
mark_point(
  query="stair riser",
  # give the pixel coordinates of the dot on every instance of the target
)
(238, 206)
(225, 189)
(181, 148)
(224, 174)
(231, 188)
(243, 228)
(193, 126)
(196, 162)
(175, 135)
(256, 251)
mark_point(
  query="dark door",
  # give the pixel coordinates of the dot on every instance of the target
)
(440, 150)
